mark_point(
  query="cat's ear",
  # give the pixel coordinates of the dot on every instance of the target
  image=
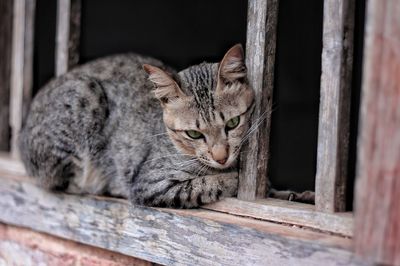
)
(166, 88)
(232, 67)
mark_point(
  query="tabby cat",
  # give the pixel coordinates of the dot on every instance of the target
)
(99, 130)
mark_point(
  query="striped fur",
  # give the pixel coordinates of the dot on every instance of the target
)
(99, 129)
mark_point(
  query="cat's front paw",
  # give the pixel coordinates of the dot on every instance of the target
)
(304, 197)
(230, 185)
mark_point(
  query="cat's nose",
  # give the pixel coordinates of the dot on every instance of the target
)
(219, 153)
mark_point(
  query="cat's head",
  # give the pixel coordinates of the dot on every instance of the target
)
(207, 108)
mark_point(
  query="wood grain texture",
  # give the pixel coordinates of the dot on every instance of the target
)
(21, 66)
(11, 165)
(281, 211)
(334, 111)
(377, 224)
(166, 236)
(287, 212)
(21, 246)
(260, 61)
(68, 34)
(6, 10)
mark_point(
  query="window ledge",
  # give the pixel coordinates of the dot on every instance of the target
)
(166, 236)
(288, 212)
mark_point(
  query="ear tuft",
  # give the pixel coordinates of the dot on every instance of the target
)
(166, 88)
(232, 67)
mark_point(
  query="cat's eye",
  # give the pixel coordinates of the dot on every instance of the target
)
(194, 134)
(232, 123)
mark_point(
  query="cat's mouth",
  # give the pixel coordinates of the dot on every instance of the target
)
(220, 165)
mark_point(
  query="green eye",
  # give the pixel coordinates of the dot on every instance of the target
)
(232, 123)
(194, 134)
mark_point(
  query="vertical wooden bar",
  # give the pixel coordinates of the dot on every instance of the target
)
(21, 66)
(334, 111)
(377, 221)
(5, 71)
(260, 60)
(68, 35)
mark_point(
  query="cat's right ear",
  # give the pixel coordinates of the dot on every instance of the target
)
(166, 88)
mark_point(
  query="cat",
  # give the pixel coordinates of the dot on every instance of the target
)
(129, 126)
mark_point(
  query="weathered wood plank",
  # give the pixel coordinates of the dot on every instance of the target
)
(334, 111)
(6, 11)
(166, 236)
(21, 66)
(260, 60)
(11, 165)
(68, 34)
(281, 211)
(287, 212)
(377, 223)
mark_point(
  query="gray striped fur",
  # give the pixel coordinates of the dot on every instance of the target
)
(99, 129)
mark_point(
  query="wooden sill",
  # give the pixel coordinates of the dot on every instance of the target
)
(287, 212)
(273, 210)
(166, 236)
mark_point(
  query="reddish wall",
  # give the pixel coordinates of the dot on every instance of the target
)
(20, 246)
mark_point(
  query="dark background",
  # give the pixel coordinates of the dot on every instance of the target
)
(182, 33)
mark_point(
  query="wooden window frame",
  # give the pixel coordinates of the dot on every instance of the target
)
(268, 229)
(337, 60)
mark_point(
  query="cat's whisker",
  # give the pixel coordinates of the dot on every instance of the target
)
(166, 156)
(205, 170)
(246, 137)
(237, 152)
(202, 170)
(243, 141)
(254, 126)
(187, 164)
(204, 161)
(158, 158)
(260, 118)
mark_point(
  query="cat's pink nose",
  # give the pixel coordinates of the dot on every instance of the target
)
(219, 153)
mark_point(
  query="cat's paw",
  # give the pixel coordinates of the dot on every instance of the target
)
(230, 185)
(304, 197)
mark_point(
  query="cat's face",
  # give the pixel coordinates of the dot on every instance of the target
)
(207, 108)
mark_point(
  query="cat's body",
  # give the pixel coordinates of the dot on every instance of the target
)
(159, 138)
(100, 130)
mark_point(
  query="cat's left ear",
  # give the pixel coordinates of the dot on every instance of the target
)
(232, 67)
